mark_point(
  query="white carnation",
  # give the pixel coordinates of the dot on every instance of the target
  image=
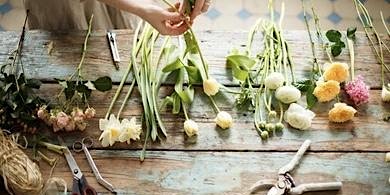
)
(274, 80)
(224, 120)
(298, 117)
(287, 94)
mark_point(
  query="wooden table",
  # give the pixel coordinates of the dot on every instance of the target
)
(217, 161)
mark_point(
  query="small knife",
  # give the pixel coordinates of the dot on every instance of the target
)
(114, 48)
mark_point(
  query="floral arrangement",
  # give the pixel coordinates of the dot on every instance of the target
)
(73, 112)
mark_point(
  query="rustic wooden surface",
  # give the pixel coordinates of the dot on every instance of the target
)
(217, 161)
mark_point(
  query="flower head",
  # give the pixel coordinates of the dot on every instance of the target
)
(326, 91)
(43, 114)
(62, 120)
(224, 120)
(89, 113)
(210, 87)
(386, 93)
(191, 128)
(358, 91)
(71, 126)
(274, 80)
(341, 112)
(131, 131)
(298, 117)
(111, 130)
(337, 72)
(287, 94)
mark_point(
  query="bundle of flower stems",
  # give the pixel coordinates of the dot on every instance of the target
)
(21, 175)
(379, 46)
(267, 79)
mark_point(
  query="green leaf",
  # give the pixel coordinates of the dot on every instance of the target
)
(190, 43)
(303, 85)
(34, 83)
(240, 65)
(311, 100)
(336, 50)
(70, 89)
(194, 75)
(176, 103)
(187, 95)
(195, 61)
(176, 64)
(103, 83)
(351, 33)
(81, 88)
(333, 35)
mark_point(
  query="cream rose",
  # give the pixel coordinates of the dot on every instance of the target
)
(274, 80)
(287, 94)
(298, 117)
(210, 87)
(224, 120)
(191, 128)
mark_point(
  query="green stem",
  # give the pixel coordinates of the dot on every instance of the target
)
(214, 104)
(185, 110)
(352, 57)
(281, 112)
(126, 98)
(384, 24)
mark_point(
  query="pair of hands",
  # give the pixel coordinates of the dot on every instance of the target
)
(168, 21)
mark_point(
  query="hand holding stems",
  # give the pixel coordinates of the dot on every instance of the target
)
(194, 9)
(166, 21)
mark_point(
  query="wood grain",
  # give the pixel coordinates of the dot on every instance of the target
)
(179, 172)
(215, 45)
(367, 132)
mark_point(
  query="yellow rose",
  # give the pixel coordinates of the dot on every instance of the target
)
(326, 91)
(337, 72)
(341, 112)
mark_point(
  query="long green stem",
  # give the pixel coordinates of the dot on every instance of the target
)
(214, 104)
(126, 98)
(384, 24)
(185, 110)
(352, 57)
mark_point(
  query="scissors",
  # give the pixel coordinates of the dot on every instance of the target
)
(80, 184)
(83, 145)
(285, 183)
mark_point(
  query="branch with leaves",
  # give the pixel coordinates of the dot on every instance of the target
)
(72, 108)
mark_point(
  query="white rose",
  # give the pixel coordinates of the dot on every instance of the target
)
(385, 94)
(210, 87)
(191, 128)
(298, 117)
(287, 94)
(274, 80)
(224, 120)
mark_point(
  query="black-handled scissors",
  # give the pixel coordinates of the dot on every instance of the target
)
(80, 184)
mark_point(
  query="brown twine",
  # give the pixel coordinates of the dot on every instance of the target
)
(21, 175)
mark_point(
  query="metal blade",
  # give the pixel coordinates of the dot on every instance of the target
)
(312, 187)
(71, 161)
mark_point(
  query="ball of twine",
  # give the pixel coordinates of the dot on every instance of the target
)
(20, 174)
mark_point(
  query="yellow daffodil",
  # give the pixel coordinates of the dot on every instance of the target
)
(130, 130)
(111, 130)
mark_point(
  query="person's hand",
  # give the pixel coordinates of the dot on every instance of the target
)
(201, 6)
(166, 21)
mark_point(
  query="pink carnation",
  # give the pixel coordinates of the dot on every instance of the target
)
(358, 91)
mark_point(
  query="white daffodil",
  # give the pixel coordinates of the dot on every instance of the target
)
(111, 130)
(130, 130)
(210, 87)
(386, 93)
(224, 120)
(287, 94)
(191, 128)
(298, 117)
(274, 80)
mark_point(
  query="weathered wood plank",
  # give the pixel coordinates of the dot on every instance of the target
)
(368, 132)
(226, 172)
(216, 45)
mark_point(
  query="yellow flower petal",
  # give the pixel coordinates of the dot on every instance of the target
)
(326, 91)
(337, 72)
(341, 112)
